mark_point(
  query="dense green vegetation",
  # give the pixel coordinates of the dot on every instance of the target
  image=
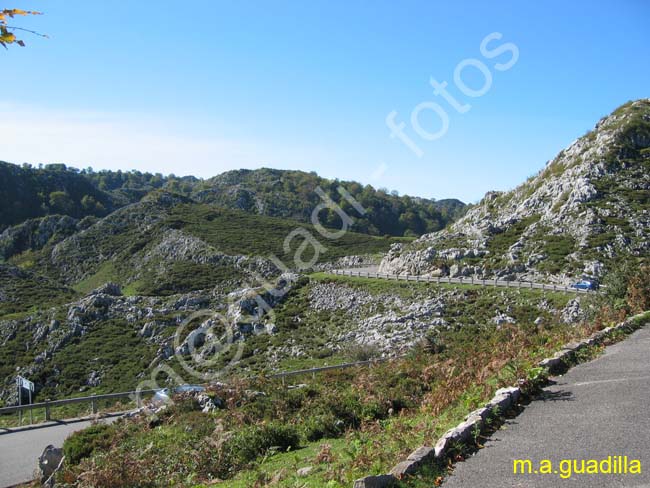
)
(120, 248)
(236, 232)
(27, 192)
(293, 194)
(22, 291)
(113, 349)
(556, 248)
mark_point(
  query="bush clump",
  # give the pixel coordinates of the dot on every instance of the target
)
(82, 444)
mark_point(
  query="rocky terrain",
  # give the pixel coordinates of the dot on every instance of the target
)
(93, 302)
(589, 207)
(97, 303)
(345, 319)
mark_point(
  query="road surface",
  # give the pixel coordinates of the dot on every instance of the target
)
(20, 448)
(598, 409)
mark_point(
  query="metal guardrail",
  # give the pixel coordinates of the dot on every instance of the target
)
(461, 281)
(92, 399)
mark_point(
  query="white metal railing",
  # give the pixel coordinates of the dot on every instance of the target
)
(460, 281)
(92, 399)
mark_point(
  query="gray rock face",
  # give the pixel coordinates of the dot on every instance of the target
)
(110, 289)
(389, 331)
(247, 307)
(584, 203)
(330, 296)
(304, 471)
(376, 481)
(48, 463)
(35, 234)
(179, 246)
(573, 312)
(347, 262)
(94, 379)
(502, 318)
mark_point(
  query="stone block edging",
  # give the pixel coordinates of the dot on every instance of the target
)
(504, 399)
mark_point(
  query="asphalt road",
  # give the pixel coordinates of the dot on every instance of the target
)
(21, 448)
(598, 409)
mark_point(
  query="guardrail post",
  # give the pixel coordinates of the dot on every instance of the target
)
(47, 409)
(438, 279)
(93, 405)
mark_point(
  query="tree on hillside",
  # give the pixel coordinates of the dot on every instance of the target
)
(7, 35)
(61, 202)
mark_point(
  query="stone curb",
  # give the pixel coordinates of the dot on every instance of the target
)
(504, 399)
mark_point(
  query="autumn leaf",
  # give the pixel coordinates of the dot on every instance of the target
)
(11, 12)
(7, 37)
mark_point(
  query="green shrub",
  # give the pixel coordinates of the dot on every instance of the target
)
(82, 444)
(322, 426)
(362, 352)
(253, 441)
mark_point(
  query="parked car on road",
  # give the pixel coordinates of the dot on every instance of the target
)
(585, 285)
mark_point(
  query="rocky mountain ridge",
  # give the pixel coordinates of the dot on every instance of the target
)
(588, 207)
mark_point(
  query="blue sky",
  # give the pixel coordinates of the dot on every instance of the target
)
(200, 87)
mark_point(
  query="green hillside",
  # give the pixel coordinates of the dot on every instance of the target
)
(28, 192)
(293, 194)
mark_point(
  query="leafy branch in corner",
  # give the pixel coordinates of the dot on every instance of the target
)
(7, 35)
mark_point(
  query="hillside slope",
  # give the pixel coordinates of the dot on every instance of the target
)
(27, 192)
(292, 194)
(97, 305)
(589, 207)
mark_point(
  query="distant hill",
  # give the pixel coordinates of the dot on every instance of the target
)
(587, 209)
(292, 194)
(28, 192)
